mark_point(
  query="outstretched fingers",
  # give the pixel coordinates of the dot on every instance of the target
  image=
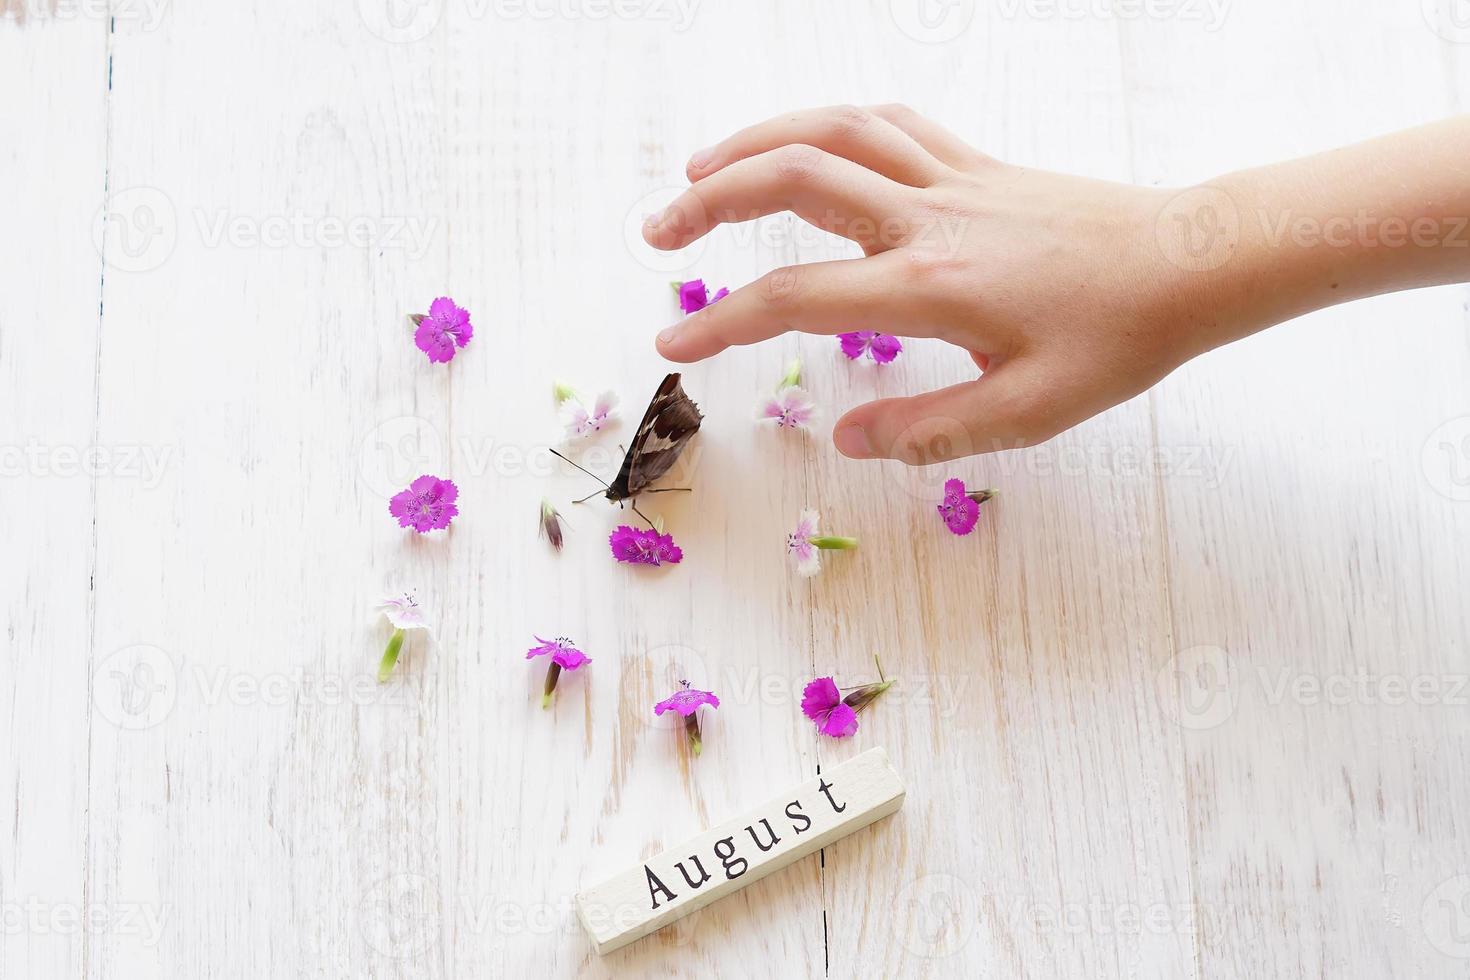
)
(855, 134)
(830, 192)
(934, 138)
(818, 297)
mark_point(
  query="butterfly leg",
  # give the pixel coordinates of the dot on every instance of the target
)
(672, 490)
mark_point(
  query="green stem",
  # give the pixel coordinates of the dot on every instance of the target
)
(831, 543)
(390, 656)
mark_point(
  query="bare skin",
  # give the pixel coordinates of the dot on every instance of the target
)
(1071, 295)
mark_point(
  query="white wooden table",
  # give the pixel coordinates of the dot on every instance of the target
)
(1192, 701)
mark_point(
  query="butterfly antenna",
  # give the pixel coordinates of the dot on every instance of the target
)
(578, 466)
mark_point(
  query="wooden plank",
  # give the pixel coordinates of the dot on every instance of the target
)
(1047, 841)
(53, 462)
(575, 295)
(281, 804)
(1312, 575)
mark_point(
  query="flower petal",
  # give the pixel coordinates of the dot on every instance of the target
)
(431, 338)
(606, 405)
(853, 344)
(819, 697)
(693, 296)
(884, 348)
(570, 659)
(841, 722)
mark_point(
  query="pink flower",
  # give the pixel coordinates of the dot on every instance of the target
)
(789, 408)
(644, 546)
(687, 702)
(561, 651)
(804, 543)
(446, 327)
(822, 703)
(834, 714)
(580, 421)
(427, 504)
(881, 347)
(563, 656)
(694, 295)
(961, 510)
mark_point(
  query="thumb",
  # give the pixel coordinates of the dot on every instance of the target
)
(1002, 410)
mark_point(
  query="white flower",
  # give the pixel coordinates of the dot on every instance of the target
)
(804, 544)
(580, 422)
(403, 612)
(799, 544)
(789, 408)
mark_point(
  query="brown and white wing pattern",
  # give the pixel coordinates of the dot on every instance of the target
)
(668, 425)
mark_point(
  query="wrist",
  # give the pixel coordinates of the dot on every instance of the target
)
(1228, 265)
(1275, 242)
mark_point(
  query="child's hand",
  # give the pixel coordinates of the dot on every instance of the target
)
(1054, 284)
(1072, 295)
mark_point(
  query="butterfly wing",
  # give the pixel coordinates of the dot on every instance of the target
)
(668, 425)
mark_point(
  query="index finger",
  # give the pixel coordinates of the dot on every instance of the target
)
(828, 298)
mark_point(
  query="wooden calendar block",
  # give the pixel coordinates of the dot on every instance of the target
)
(726, 858)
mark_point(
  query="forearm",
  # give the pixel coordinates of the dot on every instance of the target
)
(1392, 213)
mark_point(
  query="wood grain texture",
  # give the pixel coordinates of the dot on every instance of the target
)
(1190, 703)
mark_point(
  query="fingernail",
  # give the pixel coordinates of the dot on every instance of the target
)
(853, 441)
(653, 220)
(667, 334)
(702, 159)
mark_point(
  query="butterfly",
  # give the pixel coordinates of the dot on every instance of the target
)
(668, 425)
